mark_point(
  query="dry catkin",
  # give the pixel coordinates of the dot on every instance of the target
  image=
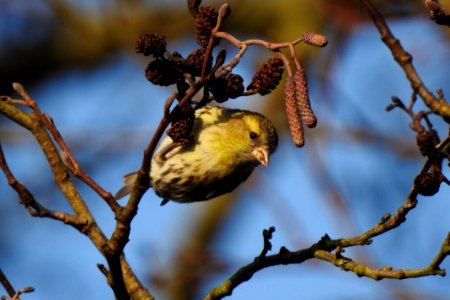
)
(315, 39)
(302, 96)
(292, 113)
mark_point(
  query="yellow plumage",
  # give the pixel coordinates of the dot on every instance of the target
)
(227, 145)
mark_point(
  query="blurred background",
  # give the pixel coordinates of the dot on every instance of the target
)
(76, 59)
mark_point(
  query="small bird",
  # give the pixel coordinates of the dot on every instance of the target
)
(226, 145)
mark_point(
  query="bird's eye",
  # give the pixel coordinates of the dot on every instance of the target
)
(253, 135)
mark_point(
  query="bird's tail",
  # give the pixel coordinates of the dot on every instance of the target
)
(129, 181)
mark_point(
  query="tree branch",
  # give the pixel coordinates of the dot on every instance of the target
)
(38, 124)
(323, 250)
(361, 270)
(72, 164)
(267, 235)
(386, 223)
(404, 59)
(6, 284)
(34, 207)
(13, 295)
(283, 257)
(120, 235)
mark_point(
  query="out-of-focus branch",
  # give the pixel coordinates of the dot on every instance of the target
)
(438, 12)
(59, 35)
(404, 59)
(195, 263)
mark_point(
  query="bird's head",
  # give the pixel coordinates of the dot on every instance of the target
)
(258, 138)
(237, 135)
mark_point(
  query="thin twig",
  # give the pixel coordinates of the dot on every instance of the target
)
(362, 270)
(24, 290)
(269, 45)
(387, 223)
(267, 235)
(212, 39)
(443, 253)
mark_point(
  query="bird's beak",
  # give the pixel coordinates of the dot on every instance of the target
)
(262, 155)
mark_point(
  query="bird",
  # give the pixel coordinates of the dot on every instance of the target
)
(226, 146)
